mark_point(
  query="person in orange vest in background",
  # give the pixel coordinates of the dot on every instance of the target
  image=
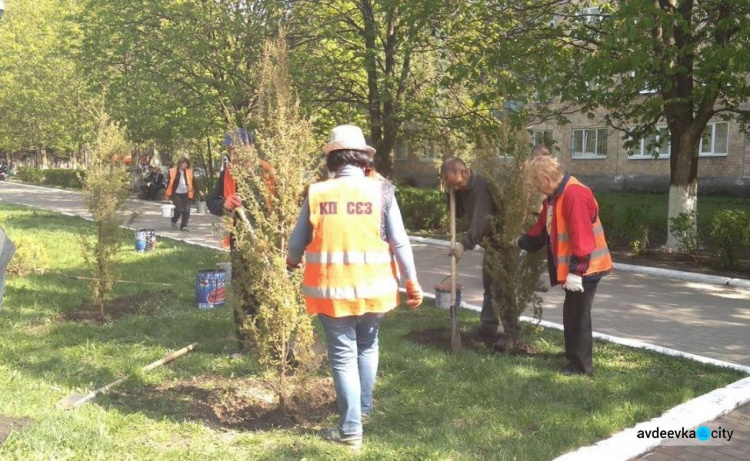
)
(577, 253)
(180, 190)
(352, 236)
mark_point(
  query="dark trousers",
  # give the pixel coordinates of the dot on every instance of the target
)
(488, 316)
(181, 209)
(577, 323)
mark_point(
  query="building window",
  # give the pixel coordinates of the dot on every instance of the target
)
(591, 16)
(715, 140)
(589, 143)
(542, 137)
(428, 153)
(655, 145)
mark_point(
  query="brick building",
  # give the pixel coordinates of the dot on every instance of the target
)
(595, 153)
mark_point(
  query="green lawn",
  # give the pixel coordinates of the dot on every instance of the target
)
(429, 404)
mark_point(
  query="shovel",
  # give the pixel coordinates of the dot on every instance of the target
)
(455, 334)
(76, 399)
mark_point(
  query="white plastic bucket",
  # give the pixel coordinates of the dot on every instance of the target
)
(167, 211)
(443, 295)
(201, 208)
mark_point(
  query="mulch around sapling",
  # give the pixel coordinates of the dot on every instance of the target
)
(440, 338)
(144, 303)
(246, 404)
(8, 425)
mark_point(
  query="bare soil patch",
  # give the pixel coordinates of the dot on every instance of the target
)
(8, 425)
(247, 404)
(440, 338)
(144, 303)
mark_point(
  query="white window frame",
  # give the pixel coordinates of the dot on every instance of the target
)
(712, 153)
(538, 136)
(591, 15)
(424, 156)
(588, 155)
(643, 154)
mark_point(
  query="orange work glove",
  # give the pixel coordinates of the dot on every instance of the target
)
(413, 294)
(232, 202)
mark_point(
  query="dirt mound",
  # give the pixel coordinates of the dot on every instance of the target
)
(144, 303)
(249, 404)
(440, 338)
(8, 425)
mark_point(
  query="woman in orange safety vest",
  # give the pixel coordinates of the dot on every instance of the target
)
(180, 190)
(577, 253)
(355, 247)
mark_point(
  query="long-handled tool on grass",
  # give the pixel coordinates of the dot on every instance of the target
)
(455, 334)
(76, 399)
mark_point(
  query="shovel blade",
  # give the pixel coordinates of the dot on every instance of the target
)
(455, 334)
(70, 401)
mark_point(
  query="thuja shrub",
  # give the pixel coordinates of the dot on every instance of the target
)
(730, 232)
(105, 190)
(515, 274)
(271, 178)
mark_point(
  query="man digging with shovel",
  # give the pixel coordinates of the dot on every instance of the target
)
(473, 199)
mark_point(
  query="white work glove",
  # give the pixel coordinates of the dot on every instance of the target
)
(457, 251)
(573, 283)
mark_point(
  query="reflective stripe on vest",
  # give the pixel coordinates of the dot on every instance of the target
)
(349, 257)
(350, 269)
(600, 259)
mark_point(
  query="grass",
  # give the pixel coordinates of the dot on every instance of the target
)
(429, 404)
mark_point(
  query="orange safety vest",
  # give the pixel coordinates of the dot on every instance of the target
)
(601, 260)
(349, 268)
(188, 180)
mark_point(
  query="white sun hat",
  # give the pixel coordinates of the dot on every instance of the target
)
(348, 137)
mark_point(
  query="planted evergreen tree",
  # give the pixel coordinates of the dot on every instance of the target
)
(105, 189)
(271, 176)
(515, 273)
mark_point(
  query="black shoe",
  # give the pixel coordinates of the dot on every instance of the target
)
(174, 225)
(185, 229)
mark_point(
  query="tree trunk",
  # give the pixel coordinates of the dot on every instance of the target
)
(683, 183)
(43, 151)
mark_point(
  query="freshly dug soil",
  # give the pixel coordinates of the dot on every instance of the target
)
(8, 424)
(144, 303)
(440, 338)
(248, 404)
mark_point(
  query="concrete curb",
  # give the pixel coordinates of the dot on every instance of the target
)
(626, 445)
(644, 270)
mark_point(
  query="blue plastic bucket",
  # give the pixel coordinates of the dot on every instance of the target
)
(145, 240)
(210, 289)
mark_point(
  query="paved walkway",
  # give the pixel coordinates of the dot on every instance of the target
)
(702, 319)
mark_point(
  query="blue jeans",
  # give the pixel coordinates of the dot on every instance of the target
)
(353, 353)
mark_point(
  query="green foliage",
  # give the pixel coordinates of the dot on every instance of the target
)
(30, 175)
(635, 228)
(69, 179)
(515, 274)
(684, 229)
(272, 196)
(30, 257)
(105, 190)
(422, 209)
(730, 232)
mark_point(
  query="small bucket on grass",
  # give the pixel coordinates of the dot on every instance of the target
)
(167, 211)
(443, 295)
(210, 289)
(145, 240)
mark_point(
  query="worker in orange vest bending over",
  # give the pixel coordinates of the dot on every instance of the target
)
(577, 253)
(353, 234)
(180, 190)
